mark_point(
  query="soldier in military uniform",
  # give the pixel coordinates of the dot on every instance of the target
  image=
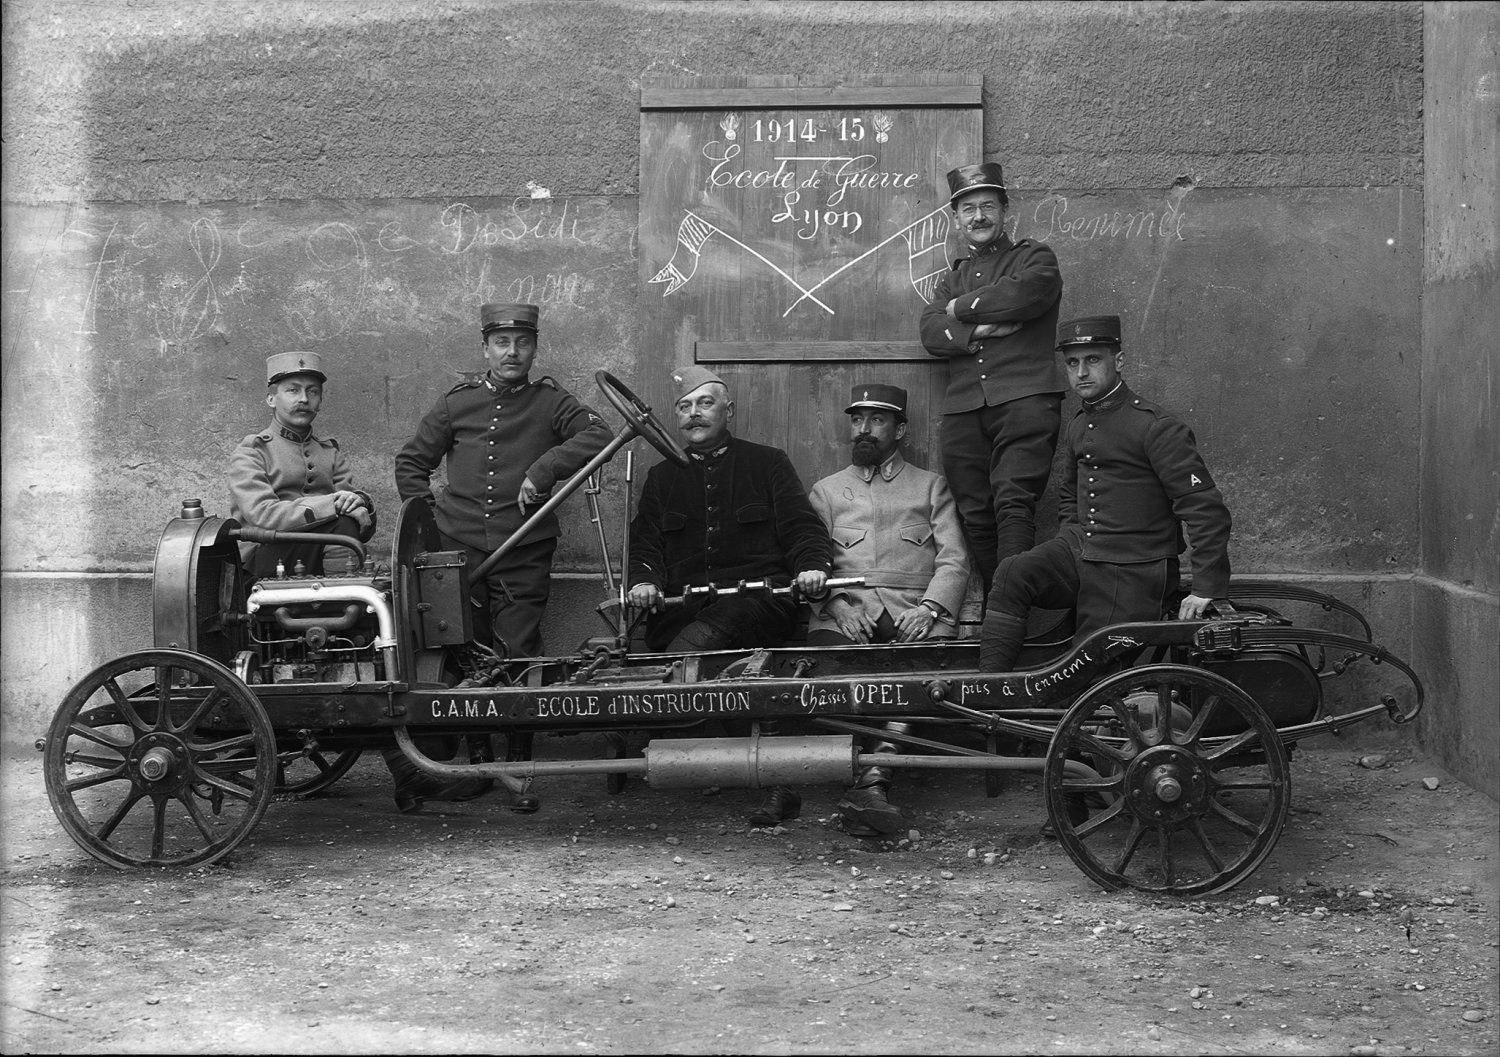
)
(895, 525)
(285, 478)
(993, 317)
(1133, 482)
(507, 440)
(736, 512)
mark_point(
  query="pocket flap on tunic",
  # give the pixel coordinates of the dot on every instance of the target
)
(847, 537)
(747, 515)
(918, 534)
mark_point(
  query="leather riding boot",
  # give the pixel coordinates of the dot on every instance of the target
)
(413, 785)
(866, 808)
(780, 805)
(1000, 640)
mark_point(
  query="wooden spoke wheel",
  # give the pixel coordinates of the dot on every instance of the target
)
(160, 758)
(307, 770)
(1174, 811)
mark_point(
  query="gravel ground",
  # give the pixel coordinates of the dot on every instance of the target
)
(658, 921)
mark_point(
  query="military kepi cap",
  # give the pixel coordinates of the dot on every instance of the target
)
(877, 396)
(285, 364)
(494, 316)
(686, 379)
(1089, 330)
(968, 178)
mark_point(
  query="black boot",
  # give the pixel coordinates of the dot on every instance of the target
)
(780, 805)
(414, 785)
(866, 812)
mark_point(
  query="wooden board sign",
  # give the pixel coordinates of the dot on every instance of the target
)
(790, 235)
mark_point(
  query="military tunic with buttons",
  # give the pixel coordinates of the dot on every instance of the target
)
(1012, 282)
(1002, 407)
(896, 526)
(493, 438)
(281, 480)
(738, 513)
(1134, 480)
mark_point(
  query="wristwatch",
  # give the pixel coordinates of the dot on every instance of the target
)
(936, 616)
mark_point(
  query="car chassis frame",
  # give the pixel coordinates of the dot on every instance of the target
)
(1163, 746)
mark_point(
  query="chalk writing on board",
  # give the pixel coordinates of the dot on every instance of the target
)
(792, 174)
(925, 238)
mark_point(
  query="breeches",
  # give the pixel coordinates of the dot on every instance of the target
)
(1054, 575)
(722, 624)
(997, 460)
(512, 596)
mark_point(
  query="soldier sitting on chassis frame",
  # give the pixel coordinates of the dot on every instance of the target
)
(735, 512)
(1132, 481)
(285, 478)
(895, 525)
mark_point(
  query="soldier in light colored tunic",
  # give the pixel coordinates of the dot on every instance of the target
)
(287, 479)
(895, 525)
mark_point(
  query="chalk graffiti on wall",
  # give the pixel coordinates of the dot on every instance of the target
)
(181, 274)
(1054, 220)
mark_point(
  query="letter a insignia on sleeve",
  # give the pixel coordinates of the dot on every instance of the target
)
(1194, 479)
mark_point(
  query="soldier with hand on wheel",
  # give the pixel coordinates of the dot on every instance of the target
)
(736, 512)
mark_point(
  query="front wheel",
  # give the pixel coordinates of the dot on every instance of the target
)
(1171, 810)
(160, 758)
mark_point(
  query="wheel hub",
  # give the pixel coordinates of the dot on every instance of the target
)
(158, 759)
(1166, 785)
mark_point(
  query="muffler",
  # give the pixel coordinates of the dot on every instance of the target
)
(755, 762)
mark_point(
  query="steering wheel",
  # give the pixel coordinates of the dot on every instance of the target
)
(640, 417)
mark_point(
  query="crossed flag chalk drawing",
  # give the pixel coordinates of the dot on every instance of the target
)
(926, 240)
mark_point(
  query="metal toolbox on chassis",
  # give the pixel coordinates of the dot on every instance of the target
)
(443, 609)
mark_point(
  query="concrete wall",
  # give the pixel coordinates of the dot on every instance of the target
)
(1456, 606)
(159, 154)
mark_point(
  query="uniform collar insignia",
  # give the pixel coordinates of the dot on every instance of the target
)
(504, 390)
(996, 246)
(710, 456)
(293, 435)
(1110, 400)
(888, 469)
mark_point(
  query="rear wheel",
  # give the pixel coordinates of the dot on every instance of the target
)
(1172, 810)
(160, 758)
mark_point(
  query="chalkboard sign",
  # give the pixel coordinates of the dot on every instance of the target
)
(790, 235)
